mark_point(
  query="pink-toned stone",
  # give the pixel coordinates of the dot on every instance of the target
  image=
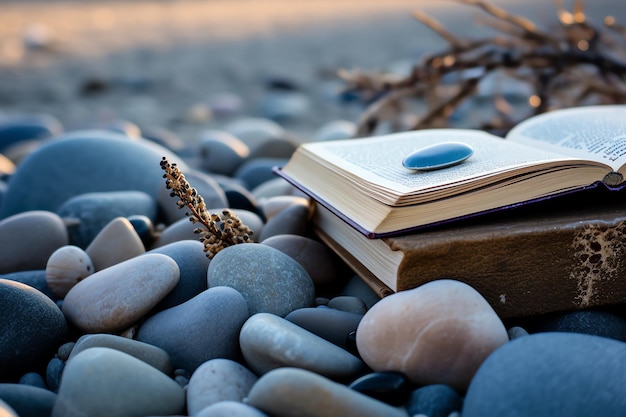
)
(438, 333)
(114, 298)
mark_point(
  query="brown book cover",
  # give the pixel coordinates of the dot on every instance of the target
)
(522, 264)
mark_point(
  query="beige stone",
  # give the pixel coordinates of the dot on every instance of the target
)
(66, 267)
(116, 242)
(438, 333)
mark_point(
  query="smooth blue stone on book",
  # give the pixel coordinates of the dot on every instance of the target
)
(438, 156)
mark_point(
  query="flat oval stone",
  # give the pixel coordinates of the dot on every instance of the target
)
(221, 152)
(218, 380)
(31, 328)
(452, 330)
(292, 392)
(105, 382)
(28, 239)
(203, 328)
(544, 374)
(254, 172)
(438, 156)
(390, 387)
(328, 323)
(114, 298)
(269, 342)
(149, 354)
(269, 280)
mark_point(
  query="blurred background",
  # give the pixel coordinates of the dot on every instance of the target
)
(191, 65)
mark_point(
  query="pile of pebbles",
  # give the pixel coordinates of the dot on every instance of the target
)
(110, 307)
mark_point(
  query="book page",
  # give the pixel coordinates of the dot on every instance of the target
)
(595, 132)
(378, 160)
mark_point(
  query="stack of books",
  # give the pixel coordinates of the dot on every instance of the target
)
(535, 221)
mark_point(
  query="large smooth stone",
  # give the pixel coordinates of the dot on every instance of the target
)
(451, 331)
(27, 401)
(549, 374)
(218, 380)
(193, 264)
(203, 328)
(269, 342)
(84, 162)
(269, 280)
(105, 382)
(149, 354)
(31, 328)
(291, 392)
(115, 298)
(95, 210)
(221, 152)
(28, 239)
(117, 242)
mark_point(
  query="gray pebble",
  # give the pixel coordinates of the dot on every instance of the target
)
(33, 379)
(293, 220)
(221, 152)
(328, 323)
(348, 303)
(269, 280)
(203, 328)
(53, 374)
(28, 401)
(65, 350)
(516, 332)
(230, 409)
(254, 172)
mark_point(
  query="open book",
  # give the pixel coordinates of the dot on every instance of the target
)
(363, 181)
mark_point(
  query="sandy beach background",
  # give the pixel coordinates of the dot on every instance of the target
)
(160, 63)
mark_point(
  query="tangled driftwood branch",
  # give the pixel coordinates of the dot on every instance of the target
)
(574, 64)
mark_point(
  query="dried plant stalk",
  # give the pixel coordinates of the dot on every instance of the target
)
(216, 231)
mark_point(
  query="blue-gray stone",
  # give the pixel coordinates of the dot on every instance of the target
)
(32, 327)
(230, 409)
(550, 374)
(96, 210)
(389, 387)
(33, 379)
(254, 172)
(203, 328)
(27, 127)
(269, 280)
(437, 400)
(438, 156)
(163, 137)
(28, 401)
(193, 264)
(593, 322)
(144, 227)
(348, 303)
(35, 279)
(53, 374)
(83, 162)
(292, 220)
(328, 323)
(221, 152)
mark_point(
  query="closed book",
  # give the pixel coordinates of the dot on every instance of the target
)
(524, 262)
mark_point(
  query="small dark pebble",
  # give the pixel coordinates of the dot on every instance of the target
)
(33, 379)
(437, 400)
(144, 228)
(53, 374)
(593, 322)
(390, 387)
(65, 350)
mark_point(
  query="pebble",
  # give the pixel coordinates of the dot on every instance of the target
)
(31, 329)
(163, 137)
(226, 104)
(329, 324)
(115, 298)
(25, 250)
(221, 152)
(348, 303)
(35, 279)
(284, 106)
(269, 280)
(218, 380)
(292, 392)
(336, 130)
(67, 266)
(318, 260)
(57, 170)
(593, 322)
(144, 227)
(272, 188)
(254, 131)
(230, 409)
(203, 328)
(269, 342)
(105, 382)
(293, 220)
(547, 374)
(356, 287)
(273, 205)
(390, 387)
(28, 127)
(26, 400)
(53, 374)
(275, 148)
(254, 172)
(239, 197)
(95, 210)
(452, 331)
(516, 332)
(152, 355)
(437, 400)
(193, 264)
(33, 379)
(118, 241)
